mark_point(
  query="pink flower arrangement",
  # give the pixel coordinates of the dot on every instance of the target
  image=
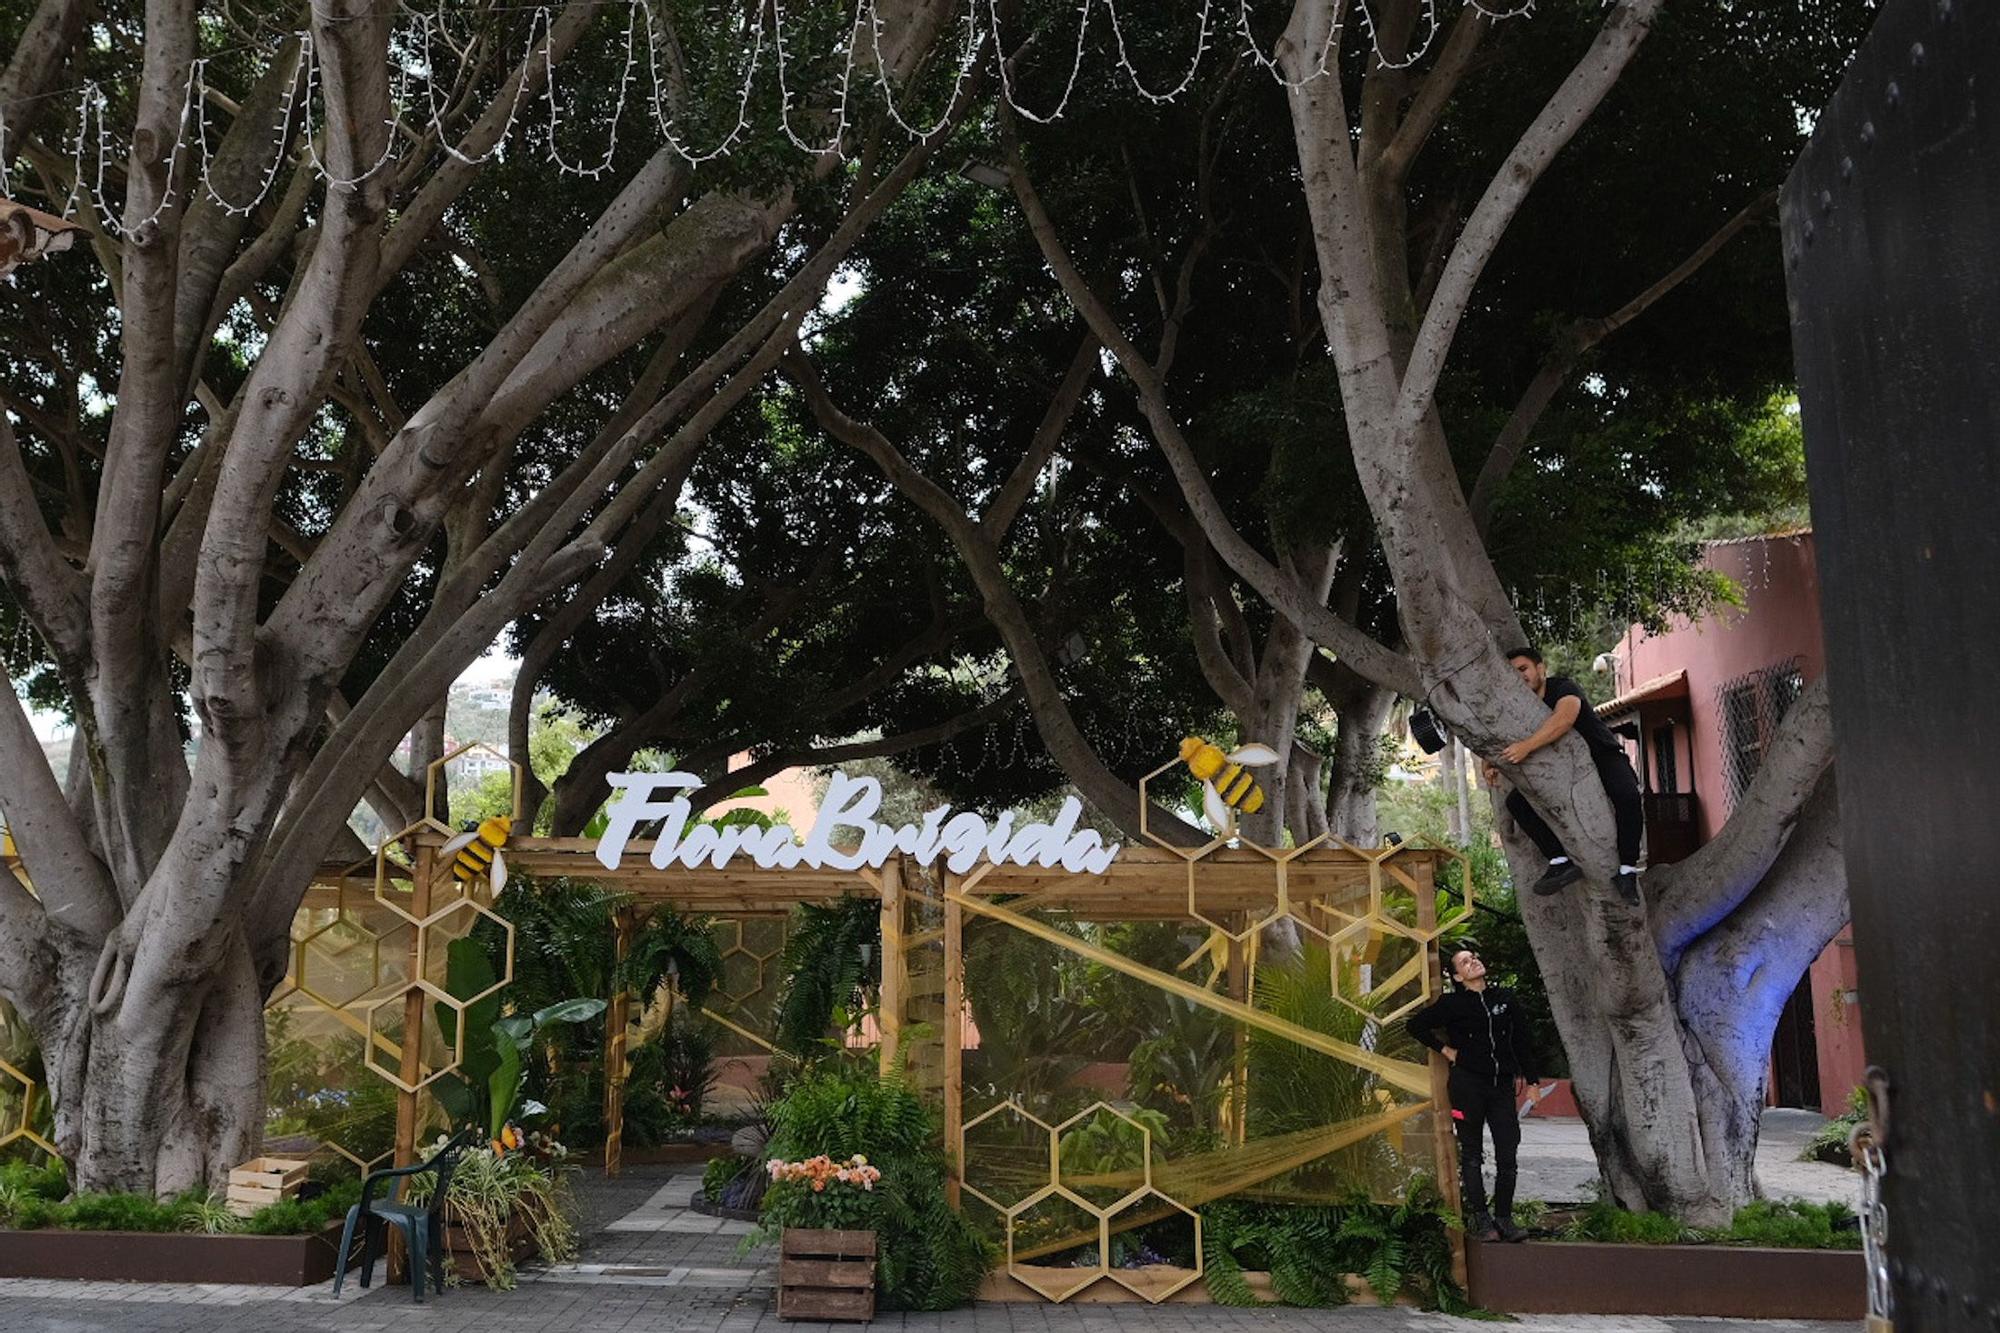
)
(823, 1170)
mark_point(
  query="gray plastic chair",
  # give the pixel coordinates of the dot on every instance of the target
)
(422, 1225)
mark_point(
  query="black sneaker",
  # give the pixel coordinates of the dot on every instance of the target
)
(1627, 884)
(1479, 1227)
(1509, 1232)
(1557, 878)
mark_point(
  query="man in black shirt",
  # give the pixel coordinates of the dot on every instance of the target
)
(1570, 711)
(1479, 1029)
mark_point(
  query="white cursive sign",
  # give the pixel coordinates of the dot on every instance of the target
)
(850, 804)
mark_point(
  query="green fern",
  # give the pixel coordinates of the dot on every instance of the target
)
(825, 971)
(1398, 1249)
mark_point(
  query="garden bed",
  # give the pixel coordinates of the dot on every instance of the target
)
(1723, 1281)
(167, 1256)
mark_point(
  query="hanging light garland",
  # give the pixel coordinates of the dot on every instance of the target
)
(91, 154)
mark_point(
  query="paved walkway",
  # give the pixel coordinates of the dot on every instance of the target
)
(650, 1264)
(1557, 1165)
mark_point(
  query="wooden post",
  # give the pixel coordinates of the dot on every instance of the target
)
(1239, 990)
(895, 966)
(954, 1019)
(618, 1016)
(412, 1064)
(1444, 1148)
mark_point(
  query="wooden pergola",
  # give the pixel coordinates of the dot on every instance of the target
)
(1342, 895)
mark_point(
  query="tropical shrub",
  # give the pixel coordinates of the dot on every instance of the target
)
(831, 961)
(929, 1257)
(1397, 1248)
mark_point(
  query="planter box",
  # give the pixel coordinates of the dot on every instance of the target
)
(148, 1256)
(1582, 1277)
(826, 1275)
(459, 1255)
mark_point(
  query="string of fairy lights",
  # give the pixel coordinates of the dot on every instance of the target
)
(768, 51)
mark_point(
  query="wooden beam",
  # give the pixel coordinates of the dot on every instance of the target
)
(895, 966)
(1444, 1155)
(954, 1027)
(617, 1068)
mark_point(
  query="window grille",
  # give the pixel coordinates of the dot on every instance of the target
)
(1751, 707)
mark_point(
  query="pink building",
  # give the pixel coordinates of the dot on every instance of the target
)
(1700, 703)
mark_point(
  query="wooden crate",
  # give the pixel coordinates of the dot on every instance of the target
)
(826, 1275)
(262, 1181)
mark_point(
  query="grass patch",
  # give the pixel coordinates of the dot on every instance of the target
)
(1792, 1225)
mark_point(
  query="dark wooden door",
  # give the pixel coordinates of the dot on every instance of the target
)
(1891, 228)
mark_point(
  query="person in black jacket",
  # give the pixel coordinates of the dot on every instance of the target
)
(1570, 710)
(1480, 1030)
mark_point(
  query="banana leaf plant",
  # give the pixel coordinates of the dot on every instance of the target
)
(487, 1084)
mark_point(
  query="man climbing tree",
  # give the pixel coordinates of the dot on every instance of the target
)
(1570, 710)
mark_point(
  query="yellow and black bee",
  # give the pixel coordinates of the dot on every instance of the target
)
(1225, 786)
(475, 854)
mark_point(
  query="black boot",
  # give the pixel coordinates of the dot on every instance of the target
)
(1557, 878)
(1479, 1227)
(1509, 1232)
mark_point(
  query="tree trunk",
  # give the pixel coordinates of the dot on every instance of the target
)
(164, 1090)
(1363, 711)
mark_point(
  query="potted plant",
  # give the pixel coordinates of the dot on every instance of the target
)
(825, 1213)
(511, 1201)
(852, 1150)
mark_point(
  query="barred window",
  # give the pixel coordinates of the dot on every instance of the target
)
(1751, 707)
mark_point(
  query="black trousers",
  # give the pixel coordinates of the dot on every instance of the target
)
(1478, 1103)
(1628, 808)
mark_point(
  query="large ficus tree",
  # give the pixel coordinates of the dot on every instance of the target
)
(274, 479)
(1666, 1009)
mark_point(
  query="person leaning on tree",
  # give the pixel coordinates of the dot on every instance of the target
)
(1480, 1030)
(1570, 710)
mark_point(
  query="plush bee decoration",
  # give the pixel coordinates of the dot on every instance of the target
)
(1225, 785)
(475, 854)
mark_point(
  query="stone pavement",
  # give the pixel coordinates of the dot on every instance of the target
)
(1557, 1165)
(650, 1264)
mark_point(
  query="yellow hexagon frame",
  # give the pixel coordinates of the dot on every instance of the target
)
(1146, 1291)
(428, 934)
(1057, 1294)
(965, 1154)
(457, 1045)
(1145, 1148)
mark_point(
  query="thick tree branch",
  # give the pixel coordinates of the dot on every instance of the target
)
(1020, 483)
(239, 168)
(1564, 114)
(1692, 896)
(1367, 656)
(34, 68)
(1571, 348)
(1733, 982)
(1434, 94)
(42, 582)
(1066, 742)
(75, 888)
